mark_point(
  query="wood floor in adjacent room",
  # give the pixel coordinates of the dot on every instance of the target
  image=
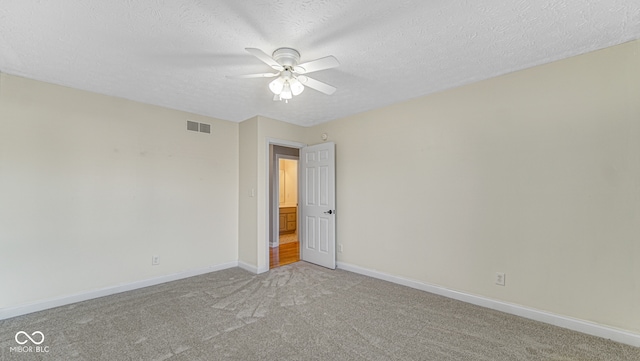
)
(284, 254)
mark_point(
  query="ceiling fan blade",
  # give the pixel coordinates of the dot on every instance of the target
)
(249, 76)
(317, 85)
(327, 62)
(265, 58)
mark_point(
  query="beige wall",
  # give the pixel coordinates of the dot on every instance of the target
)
(270, 129)
(247, 197)
(92, 186)
(255, 134)
(535, 174)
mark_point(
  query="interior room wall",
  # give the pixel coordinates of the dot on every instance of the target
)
(247, 196)
(535, 174)
(254, 195)
(92, 186)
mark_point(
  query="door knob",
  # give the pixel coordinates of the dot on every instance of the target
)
(329, 212)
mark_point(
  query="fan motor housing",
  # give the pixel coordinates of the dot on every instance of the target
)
(286, 56)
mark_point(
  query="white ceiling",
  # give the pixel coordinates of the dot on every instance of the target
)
(177, 53)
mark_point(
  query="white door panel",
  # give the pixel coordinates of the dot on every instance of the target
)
(318, 243)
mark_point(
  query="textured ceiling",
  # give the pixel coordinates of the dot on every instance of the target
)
(177, 53)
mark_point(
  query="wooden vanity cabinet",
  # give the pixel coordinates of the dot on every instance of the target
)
(288, 220)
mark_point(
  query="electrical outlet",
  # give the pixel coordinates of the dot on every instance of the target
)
(340, 248)
(155, 260)
(500, 278)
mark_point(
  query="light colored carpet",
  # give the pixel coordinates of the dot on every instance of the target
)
(294, 312)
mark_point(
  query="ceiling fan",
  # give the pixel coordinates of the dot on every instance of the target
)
(290, 76)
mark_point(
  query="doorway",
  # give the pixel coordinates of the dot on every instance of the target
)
(284, 245)
(315, 211)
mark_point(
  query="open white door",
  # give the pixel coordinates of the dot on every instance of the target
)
(318, 187)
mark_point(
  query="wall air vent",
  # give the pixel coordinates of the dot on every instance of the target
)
(198, 127)
(192, 126)
(205, 128)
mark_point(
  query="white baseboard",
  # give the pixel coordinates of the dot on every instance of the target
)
(248, 267)
(574, 324)
(253, 269)
(79, 297)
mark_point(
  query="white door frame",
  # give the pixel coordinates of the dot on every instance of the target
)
(268, 205)
(276, 196)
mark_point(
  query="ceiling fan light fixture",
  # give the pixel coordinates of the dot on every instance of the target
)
(296, 86)
(286, 93)
(277, 85)
(290, 81)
